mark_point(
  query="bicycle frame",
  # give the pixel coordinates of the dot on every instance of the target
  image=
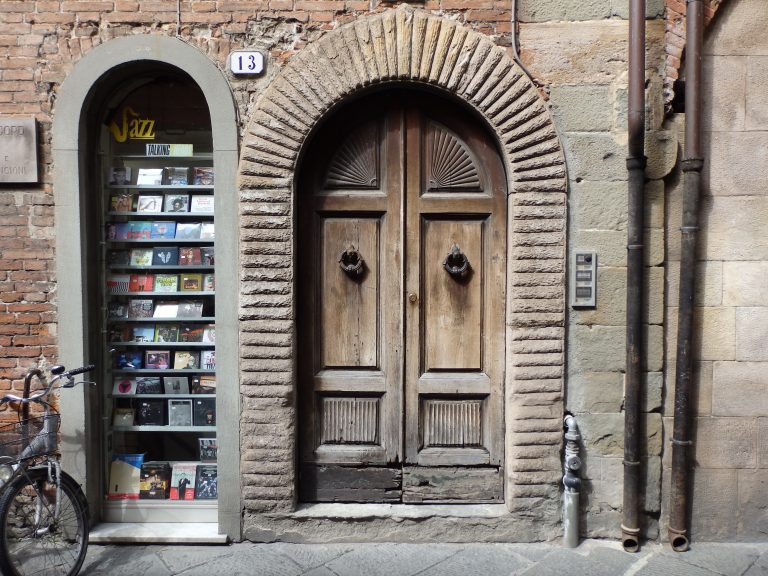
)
(37, 453)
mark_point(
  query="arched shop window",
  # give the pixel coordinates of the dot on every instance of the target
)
(145, 153)
(159, 279)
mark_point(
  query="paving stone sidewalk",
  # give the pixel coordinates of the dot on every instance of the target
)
(591, 558)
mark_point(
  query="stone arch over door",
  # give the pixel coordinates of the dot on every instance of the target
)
(403, 46)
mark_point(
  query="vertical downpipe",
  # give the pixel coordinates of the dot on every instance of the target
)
(630, 529)
(692, 164)
(571, 483)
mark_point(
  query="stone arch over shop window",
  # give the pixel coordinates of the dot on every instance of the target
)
(404, 46)
(76, 99)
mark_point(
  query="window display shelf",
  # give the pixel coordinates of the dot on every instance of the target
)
(164, 428)
(177, 294)
(167, 187)
(181, 268)
(165, 371)
(162, 396)
(157, 254)
(200, 320)
(164, 344)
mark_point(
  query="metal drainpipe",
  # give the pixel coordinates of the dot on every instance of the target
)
(571, 483)
(630, 529)
(692, 164)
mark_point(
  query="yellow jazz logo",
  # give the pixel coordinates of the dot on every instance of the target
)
(133, 127)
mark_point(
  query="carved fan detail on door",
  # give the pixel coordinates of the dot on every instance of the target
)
(355, 164)
(451, 167)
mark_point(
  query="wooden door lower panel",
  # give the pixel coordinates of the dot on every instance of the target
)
(334, 483)
(409, 485)
(452, 484)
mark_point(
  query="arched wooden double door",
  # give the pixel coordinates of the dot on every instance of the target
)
(401, 263)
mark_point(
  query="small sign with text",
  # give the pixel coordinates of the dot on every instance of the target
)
(246, 62)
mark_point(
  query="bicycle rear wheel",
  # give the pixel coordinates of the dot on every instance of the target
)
(32, 539)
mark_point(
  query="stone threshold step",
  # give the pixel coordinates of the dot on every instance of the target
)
(157, 533)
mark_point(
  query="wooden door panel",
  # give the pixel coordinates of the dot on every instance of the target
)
(453, 319)
(452, 484)
(452, 423)
(450, 165)
(454, 384)
(402, 365)
(348, 323)
(350, 420)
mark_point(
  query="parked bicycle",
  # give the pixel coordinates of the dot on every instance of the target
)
(44, 518)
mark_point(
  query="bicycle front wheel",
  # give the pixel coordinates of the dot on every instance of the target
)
(33, 539)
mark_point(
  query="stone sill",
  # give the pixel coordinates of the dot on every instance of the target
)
(397, 511)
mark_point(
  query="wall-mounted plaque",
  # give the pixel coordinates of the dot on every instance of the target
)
(246, 62)
(18, 150)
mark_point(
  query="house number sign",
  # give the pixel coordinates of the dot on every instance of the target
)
(18, 150)
(246, 62)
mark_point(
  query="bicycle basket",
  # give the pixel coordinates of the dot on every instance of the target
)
(28, 438)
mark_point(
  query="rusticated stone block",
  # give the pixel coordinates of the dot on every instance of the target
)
(744, 283)
(249, 287)
(266, 339)
(581, 108)
(598, 205)
(567, 54)
(726, 443)
(609, 488)
(603, 434)
(612, 300)
(753, 502)
(708, 283)
(736, 29)
(536, 425)
(533, 359)
(535, 347)
(738, 389)
(549, 463)
(603, 392)
(714, 333)
(715, 500)
(724, 93)
(269, 352)
(536, 386)
(751, 334)
(596, 348)
(733, 223)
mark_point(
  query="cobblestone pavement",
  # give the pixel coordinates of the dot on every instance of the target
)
(591, 558)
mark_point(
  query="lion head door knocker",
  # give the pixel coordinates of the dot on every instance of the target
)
(352, 263)
(456, 263)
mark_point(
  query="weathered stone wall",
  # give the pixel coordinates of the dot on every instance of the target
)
(581, 59)
(731, 302)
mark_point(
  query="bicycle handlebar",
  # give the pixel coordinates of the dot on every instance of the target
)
(76, 371)
(37, 372)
